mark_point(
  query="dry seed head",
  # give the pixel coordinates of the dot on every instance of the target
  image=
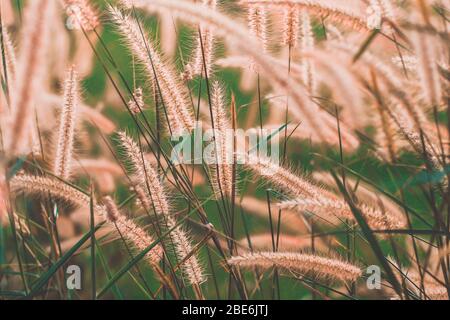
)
(128, 229)
(238, 36)
(67, 124)
(192, 268)
(44, 187)
(10, 57)
(329, 207)
(307, 44)
(146, 175)
(283, 178)
(139, 238)
(313, 198)
(137, 102)
(82, 13)
(257, 23)
(338, 12)
(291, 19)
(173, 92)
(320, 267)
(222, 178)
(111, 209)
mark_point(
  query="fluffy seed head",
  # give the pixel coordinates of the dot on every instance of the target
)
(305, 264)
(173, 92)
(257, 23)
(151, 192)
(67, 124)
(43, 187)
(111, 209)
(339, 12)
(137, 102)
(223, 170)
(82, 14)
(291, 21)
(128, 229)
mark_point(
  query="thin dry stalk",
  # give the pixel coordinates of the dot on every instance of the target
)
(44, 187)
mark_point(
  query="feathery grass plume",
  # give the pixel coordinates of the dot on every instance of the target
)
(309, 197)
(82, 14)
(305, 264)
(427, 68)
(340, 12)
(291, 20)
(173, 92)
(239, 37)
(152, 192)
(374, 15)
(364, 192)
(283, 178)
(137, 102)
(43, 187)
(222, 177)
(31, 62)
(144, 173)
(204, 50)
(330, 207)
(378, 12)
(257, 23)
(192, 268)
(129, 230)
(307, 43)
(67, 123)
(10, 57)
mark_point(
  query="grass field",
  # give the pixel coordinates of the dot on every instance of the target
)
(350, 97)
